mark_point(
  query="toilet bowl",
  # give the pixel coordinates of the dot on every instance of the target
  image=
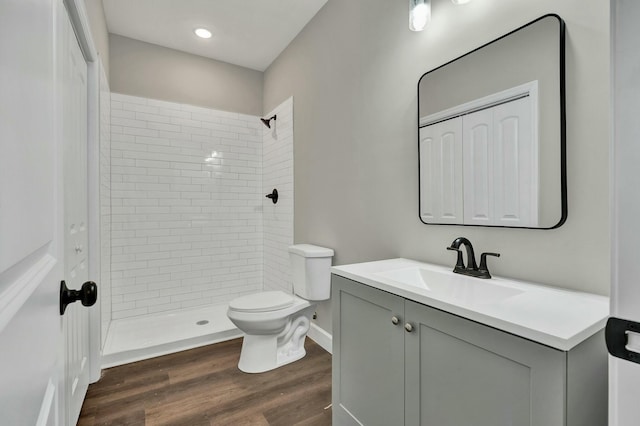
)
(275, 323)
(274, 332)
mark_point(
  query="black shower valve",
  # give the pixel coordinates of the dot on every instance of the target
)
(273, 195)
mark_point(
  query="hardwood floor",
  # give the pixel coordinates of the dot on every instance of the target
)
(203, 386)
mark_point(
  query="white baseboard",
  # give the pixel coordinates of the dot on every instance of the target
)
(321, 337)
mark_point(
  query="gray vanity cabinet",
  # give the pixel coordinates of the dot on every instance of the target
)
(450, 371)
(459, 372)
(368, 376)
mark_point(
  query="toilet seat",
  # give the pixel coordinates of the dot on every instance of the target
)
(266, 301)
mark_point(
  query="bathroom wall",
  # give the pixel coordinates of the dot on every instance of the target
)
(353, 72)
(156, 72)
(186, 196)
(278, 218)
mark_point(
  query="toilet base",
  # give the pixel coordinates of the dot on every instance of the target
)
(262, 353)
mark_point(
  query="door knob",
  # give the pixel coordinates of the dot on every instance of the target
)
(408, 327)
(88, 294)
(395, 320)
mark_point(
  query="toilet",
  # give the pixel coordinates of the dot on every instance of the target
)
(276, 323)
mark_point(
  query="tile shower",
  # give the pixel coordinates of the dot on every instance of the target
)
(189, 225)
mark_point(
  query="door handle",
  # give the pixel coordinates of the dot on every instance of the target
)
(88, 294)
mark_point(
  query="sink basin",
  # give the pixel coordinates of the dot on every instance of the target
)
(450, 286)
(555, 317)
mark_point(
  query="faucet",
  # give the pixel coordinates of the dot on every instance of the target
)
(471, 269)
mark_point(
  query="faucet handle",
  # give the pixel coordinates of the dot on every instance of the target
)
(483, 263)
(459, 261)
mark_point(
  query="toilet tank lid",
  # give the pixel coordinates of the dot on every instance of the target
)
(309, 250)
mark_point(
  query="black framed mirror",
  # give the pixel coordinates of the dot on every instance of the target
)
(492, 133)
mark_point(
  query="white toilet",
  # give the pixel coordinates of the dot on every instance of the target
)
(276, 323)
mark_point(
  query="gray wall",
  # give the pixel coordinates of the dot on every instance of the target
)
(151, 71)
(99, 31)
(353, 73)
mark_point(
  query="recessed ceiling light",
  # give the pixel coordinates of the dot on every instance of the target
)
(202, 32)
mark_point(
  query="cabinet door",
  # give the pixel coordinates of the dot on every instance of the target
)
(459, 372)
(368, 355)
(441, 172)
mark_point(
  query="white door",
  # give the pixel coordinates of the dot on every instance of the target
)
(515, 158)
(35, 247)
(500, 153)
(623, 329)
(74, 138)
(30, 216)
(478, 148)
(441, 172)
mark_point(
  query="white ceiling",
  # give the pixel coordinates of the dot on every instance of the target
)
(249, 33)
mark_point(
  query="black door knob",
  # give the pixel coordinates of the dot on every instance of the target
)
(87, 295)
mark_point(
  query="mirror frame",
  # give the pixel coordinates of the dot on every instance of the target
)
(563, 125)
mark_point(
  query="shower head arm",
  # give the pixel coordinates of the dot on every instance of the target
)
(267, 121)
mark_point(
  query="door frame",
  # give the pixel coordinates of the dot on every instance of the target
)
(624, 374)
(80, 23)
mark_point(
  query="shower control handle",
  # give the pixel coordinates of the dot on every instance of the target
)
(273, 196)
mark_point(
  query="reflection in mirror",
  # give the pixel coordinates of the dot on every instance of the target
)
(492, 133)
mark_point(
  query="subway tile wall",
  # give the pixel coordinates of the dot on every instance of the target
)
(186, 206)
(278, 218)
(105, 206)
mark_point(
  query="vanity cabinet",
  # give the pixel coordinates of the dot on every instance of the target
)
(398, 362)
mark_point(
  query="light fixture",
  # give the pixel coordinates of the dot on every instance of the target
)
(202, 32)
(419, 14)
(460, 1)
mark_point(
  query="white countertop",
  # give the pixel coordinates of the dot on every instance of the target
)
(552, 316)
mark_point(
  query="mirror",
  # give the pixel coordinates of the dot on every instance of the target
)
(492, 133)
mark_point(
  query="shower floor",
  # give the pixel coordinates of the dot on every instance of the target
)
(148, 336)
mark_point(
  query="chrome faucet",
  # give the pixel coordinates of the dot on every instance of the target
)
(471, 268)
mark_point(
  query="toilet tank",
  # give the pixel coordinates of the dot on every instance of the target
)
(311, 271)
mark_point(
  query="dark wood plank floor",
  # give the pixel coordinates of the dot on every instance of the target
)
(203, 386)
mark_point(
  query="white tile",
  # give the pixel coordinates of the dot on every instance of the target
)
(138, 131)
(164, 126)
(178, 217)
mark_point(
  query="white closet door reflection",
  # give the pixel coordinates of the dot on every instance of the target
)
(477, 130)
(501, 166)
(441, 172)
(481, 168)
(516, 165)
